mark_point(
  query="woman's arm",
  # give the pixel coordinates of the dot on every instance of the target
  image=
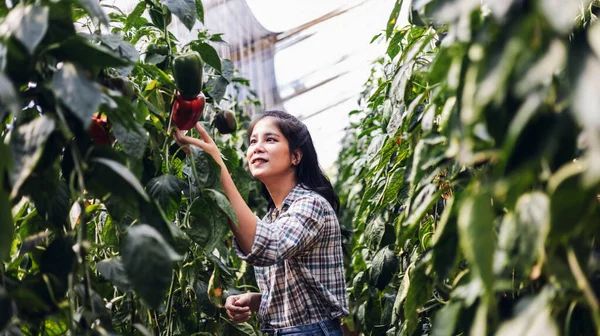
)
(246, 230)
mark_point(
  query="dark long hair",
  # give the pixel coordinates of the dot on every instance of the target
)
(308, 172)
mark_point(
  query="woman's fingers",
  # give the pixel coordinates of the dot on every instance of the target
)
(241, 318)
(203, 133)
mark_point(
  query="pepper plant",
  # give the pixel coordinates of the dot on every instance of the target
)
(106, 226)
(470, 175)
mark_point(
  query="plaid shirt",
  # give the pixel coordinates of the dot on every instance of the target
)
(298, 262)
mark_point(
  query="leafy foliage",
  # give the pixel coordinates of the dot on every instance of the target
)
(473, 158)
(123, 237)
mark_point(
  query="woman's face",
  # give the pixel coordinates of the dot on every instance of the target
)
(268, 154)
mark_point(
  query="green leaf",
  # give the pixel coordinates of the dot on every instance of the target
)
(243, 181)
(218, 87)
(385, 264)
(542, 71)
(134, 16)
(570, 200)
(204, 304)
(445, 240)
(185, 10)
(200, 10)
(166, 190)
(532, 317)
(204, 223)
(236, 329)
(476, 229)
(81, 95)
(27, 23)
(378, 234)
(394, 47)
(209, 55)
(6, 221)
(9, 101)
(393, 185)
(393, 19)
(148, 261)
(124, 174)
(228, 69)
(223, 204)
(82, 52)
(95, 10)
(27, 146)
(521, 241)
(202, 169)
(446, 319)
(114, 271)
(122, 48)
(134, 140)
(418, 294)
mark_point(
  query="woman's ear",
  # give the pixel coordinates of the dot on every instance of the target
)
(296, 156)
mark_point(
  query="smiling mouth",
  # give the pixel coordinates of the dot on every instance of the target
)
(258, 161)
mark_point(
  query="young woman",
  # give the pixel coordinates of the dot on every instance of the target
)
(296, 249)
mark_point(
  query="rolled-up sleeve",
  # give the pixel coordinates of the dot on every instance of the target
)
(294, 232)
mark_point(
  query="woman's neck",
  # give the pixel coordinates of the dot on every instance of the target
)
(280, 189)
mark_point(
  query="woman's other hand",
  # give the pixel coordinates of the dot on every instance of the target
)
(205, 142)
(240, 307)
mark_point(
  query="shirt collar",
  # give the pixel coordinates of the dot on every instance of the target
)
(297, 191)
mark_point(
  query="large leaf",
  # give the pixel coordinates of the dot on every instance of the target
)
(9, 101)
(27, 146)
(200, 10)
(166, 190)
(476, 229)
(125, 174)
(522, 239)
(95, 10)
(209, 55)
(27, 23)
(134, 140)
(385, 264)
(148, 261)
(227, 69)
(446, 320)
(393, 19)
(6, 222)
(418, 293)
(202, 169)
(185, 10)
(532, 317)
(207, 226)
(79, 50)
(122, 48)
(570, 200)
(204, 303)
(81, 95)
(113, 271)
(223, 204)
(378, 234)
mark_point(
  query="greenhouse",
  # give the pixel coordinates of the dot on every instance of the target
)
(341, 167)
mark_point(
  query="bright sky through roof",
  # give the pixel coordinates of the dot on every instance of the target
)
(338, 46)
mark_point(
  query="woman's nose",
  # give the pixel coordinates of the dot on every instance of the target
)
(258, 148)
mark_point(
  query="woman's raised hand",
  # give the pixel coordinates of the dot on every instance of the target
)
(205, 142)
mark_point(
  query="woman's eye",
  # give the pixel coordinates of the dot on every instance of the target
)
(270, 139)
(253, 141)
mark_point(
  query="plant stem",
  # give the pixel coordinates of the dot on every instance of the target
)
(169, 305)
(2, 275)
(584, 285)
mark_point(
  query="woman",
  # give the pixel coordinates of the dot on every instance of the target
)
(296, 249)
